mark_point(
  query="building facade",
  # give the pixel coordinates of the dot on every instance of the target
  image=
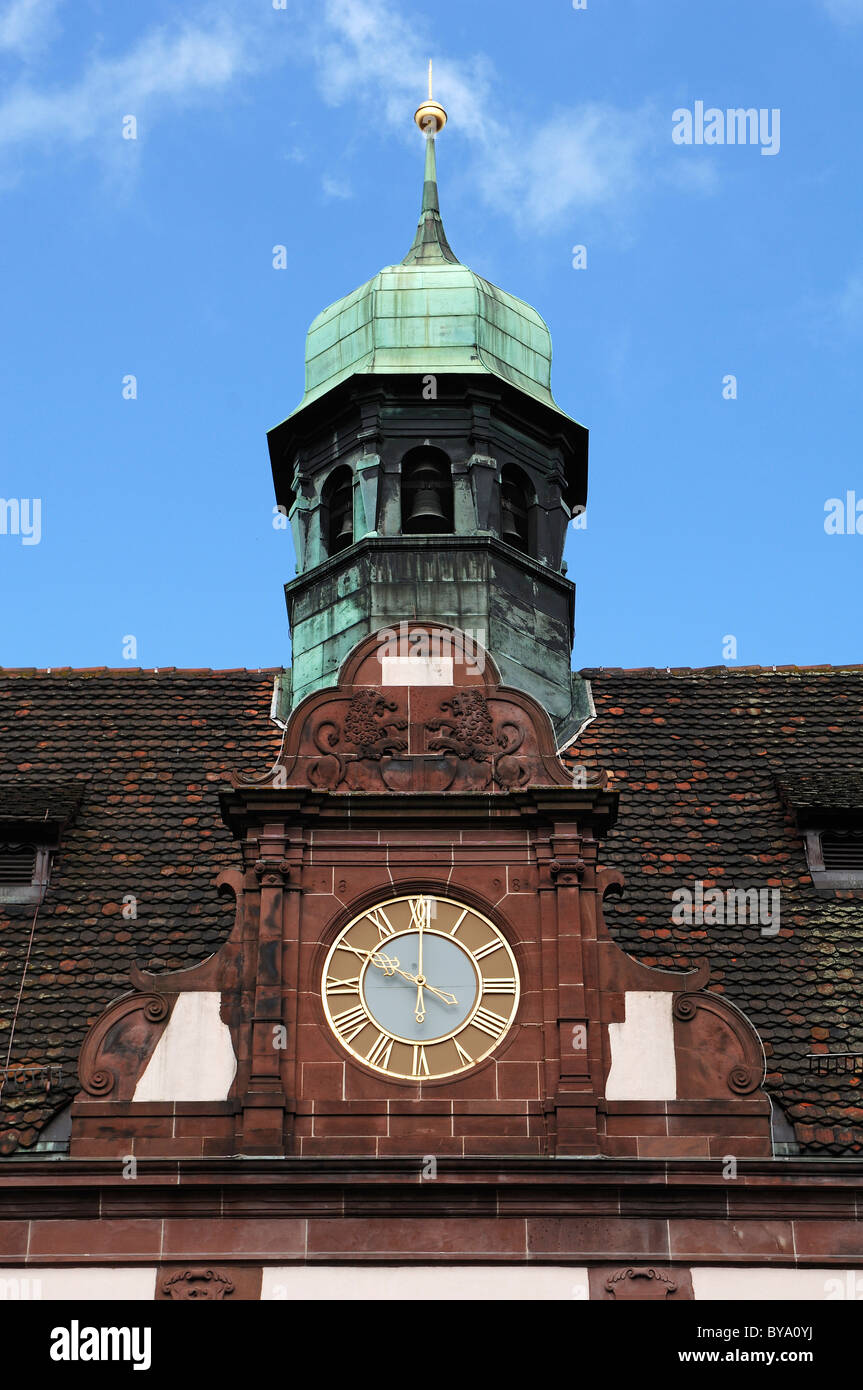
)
(429, 964)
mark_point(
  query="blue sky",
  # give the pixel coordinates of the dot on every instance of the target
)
(259, 126)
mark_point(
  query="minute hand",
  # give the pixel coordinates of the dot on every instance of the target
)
(390, 965)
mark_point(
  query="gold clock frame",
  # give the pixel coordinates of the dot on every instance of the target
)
(351, 1020)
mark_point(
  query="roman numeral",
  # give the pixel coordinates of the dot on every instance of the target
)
(498, 986)
(379, 1053)
(420, 1065)
(464, 1057)
(420, 912)
(459, 922)
(335, 986)
(379, 918)
(354, 950)
(351, 1022)
(487, 1022)
(488, 949)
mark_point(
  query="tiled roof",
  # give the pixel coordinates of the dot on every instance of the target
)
(148, 752)
(697, 757)
(38, 799)
(811, 792)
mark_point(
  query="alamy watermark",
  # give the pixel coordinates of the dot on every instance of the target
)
(77, 1343)
(21, 516)
(735, 126)
(844, 515)
(427, 655)
(753, 906)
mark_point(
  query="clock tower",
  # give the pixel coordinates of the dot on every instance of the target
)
(428, 472)
(419, 963)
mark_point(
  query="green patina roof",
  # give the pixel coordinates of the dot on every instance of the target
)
(429, 314)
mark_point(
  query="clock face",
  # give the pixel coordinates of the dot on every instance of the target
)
(420, 987)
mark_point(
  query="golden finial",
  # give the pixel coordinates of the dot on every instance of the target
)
(430, 117)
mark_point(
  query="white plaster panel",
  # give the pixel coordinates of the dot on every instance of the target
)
(459, 1283)
(81, 1284)
(194, 1058)
(783, 1285)
(416, 670)
(643, 1065)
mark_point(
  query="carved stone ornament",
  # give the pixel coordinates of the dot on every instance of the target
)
(364, 732)
(468, 734)
(719, 1027)
(207, 1284)
(441, 723)
(366, 727)
(272, 872)
(120, 1041)
(567, 871)
(640, 1284)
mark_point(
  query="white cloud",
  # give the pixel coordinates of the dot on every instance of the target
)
(367, 48)
(177, 66)
(586, 157)
(335, 188)
(835, 317)
(26, 25)
(589, 156)
(370, 58)
(849, 302)
(845, 11)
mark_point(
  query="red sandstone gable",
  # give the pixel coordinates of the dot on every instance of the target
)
(464, 844)
(695, 756)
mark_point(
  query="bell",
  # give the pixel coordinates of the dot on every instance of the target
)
(426, 508)
(426, 513)
(509, 527)
(513, 527)
(345, 533)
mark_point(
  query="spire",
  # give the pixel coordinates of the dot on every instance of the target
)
(430, 243)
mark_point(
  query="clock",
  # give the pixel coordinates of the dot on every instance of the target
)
(420, 987)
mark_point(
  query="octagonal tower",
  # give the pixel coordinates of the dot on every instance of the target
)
(429, 473)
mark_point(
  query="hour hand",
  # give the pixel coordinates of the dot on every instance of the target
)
(421, 984)
(443, 994)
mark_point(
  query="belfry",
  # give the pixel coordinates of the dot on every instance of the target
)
(428, 471)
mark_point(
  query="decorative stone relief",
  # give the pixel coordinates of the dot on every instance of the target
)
(211, 1285)
(364, 732)
(439, 727)
(120, 1042)
(470, 735)
(643, 1283)
(709, 1031)
(640, 1284)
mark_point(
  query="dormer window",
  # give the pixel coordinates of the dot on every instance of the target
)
(828, 809)
(842, 851)
(24, 867)
(33, 815)
(835, 857)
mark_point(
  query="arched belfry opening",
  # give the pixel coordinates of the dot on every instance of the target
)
(338, 508)
(516, 500)
(427, 493)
